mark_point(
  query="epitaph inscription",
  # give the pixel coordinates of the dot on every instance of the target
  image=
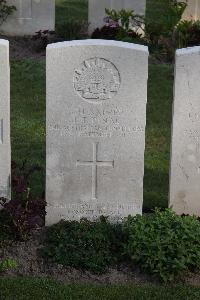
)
(97, 79)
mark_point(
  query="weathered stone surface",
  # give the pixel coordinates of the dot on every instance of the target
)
(5, 153)
(97, 10)
(192, 11)
(31, 16)
(185, 155)
(96, 115)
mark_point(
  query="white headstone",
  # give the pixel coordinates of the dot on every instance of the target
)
(185, 155)
(192, 11)
(30, 16)
(96, 115)
(5, 153)
(97, 10)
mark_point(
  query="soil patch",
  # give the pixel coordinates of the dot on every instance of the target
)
(31, 264)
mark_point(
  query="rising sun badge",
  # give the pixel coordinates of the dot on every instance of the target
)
(96, 80)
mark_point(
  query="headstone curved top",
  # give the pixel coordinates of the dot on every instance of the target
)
(96, 116)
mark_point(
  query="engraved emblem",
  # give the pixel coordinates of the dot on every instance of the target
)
(96, 80)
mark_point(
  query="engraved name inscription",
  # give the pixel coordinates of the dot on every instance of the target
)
(99, 122)
(96, 80)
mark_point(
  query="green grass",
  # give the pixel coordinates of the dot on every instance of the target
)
(71, 19)
(43, 289)
(28, 117)
(155, 9)
(67, 9)
(158, 135)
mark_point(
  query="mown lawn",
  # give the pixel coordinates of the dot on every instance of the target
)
(43, 289)
(67, 9)
(28, 118)
(158, 135)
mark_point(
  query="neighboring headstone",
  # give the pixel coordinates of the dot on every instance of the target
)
(185, 155)
(96, 115)
(5, 152)
(97, 10)
(192, 11)
(31, 16)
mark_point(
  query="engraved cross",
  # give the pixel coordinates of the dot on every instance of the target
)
(95, 164)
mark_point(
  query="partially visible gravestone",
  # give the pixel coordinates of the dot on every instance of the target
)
(5, 153)
(96, 115)
(30, 16)
(97, 10)
(192, 11)
(185, 155)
